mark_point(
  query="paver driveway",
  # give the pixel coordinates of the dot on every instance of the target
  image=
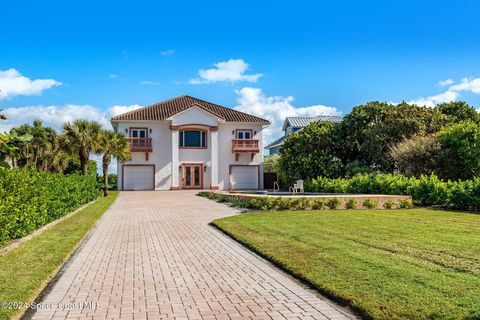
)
(153, 255)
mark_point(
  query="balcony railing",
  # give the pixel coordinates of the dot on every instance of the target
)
(245, 145)
(140, 144)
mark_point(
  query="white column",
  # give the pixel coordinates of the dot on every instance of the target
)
(214, 157)
(175, 159)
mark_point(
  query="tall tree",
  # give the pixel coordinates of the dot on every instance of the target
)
(112, 144)
(312, 152)
(457, 111)
(82, 137)
(460, 147)
(370, 130)
(41, 149)
(417, 155)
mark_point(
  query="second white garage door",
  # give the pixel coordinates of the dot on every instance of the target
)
(244, 177)
(138, 177)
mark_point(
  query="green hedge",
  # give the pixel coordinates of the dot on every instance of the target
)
(30, 199)
(228, 199)
(299, 203)
(426, 190)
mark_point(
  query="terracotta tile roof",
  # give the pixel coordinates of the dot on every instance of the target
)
(168, 108)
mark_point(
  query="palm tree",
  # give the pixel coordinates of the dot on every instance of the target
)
(82, 137)
(38, 150)
(112, 144)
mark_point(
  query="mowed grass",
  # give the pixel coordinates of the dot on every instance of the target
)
(387, 264)
(25, 270)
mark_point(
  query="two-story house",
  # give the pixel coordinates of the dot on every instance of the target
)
(294, 124)
(188, 143)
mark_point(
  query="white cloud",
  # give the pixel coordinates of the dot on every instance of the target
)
(451, 94)
(471, 85)
(232, 70)
(168, 53)
(148, 82)
(13, 84)
(119, 109)
(275, 109)
(446, 82)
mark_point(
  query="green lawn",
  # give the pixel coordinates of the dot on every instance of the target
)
(388, 264)
(25, 270)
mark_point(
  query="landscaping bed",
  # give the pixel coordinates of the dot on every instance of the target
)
(26, 270)
(386, 264)
(310, 202)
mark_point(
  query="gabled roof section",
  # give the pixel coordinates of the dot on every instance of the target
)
(168, 108)
(276, 143)
(300, 122)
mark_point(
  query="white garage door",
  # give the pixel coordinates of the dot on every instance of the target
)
(244, 177)
(138, 178)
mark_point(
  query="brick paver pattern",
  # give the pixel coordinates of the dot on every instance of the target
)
(153, 255)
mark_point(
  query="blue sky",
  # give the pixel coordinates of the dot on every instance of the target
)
(279, 58)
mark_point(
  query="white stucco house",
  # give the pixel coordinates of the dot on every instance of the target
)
(188, 143)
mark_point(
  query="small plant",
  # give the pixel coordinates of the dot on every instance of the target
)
(388, 204)
(370, 204)
(223, 199)
(405, 204)
(233, 201)
(350, 204)
(332, 203)
(264, 203)
(318, 204)
(301, 204)
(284, 203)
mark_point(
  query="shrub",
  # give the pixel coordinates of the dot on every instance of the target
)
(234, 201)
(332, 203)
(283, 203)
(388, 204)
(350, 204)
(370, 204)
(318, 204)
(301, 204)
(30, 199)
(405, 204)
(425, 190)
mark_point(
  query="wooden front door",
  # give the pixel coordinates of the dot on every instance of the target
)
(192, 177)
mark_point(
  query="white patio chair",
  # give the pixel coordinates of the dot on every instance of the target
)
(297, 187)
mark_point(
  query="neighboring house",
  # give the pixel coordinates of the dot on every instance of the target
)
(293, 124)
(188, 143)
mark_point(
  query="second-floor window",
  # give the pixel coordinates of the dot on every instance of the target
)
(244, 134)
(138, 132)
(193, 139)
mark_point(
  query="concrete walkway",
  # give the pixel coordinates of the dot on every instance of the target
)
(154, 256)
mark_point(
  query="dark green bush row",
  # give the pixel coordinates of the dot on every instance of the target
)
(426, 190)
(30, 199)
(304, 203)
(234, 201)
(301, 203)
